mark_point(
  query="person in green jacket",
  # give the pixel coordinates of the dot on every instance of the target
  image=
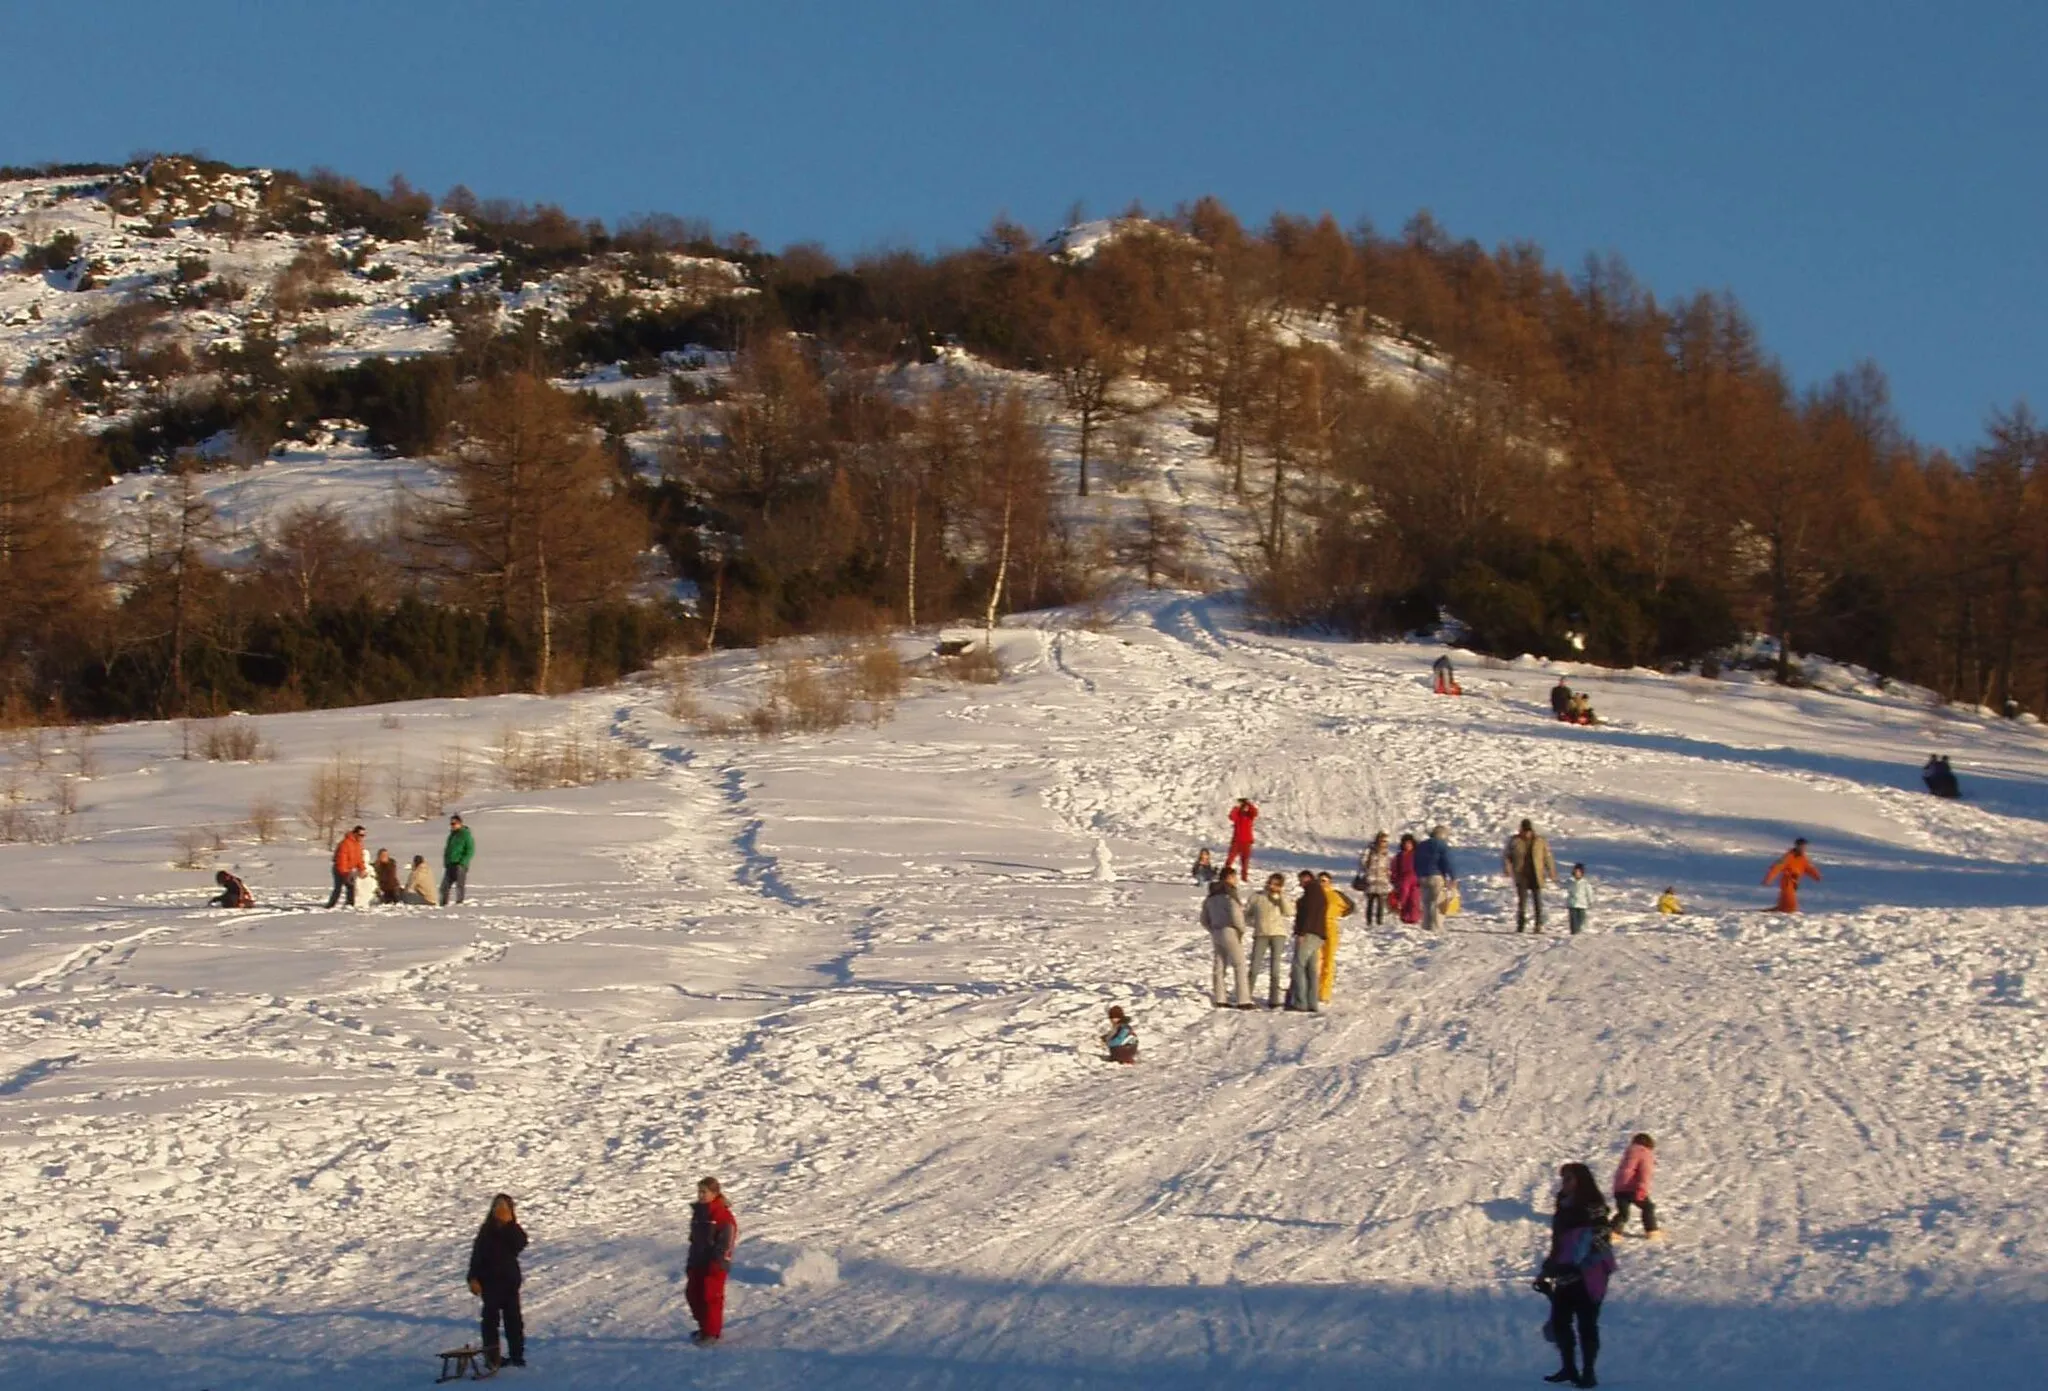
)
(455, 858)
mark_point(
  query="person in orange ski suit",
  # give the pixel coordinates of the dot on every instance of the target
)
(1788, 871)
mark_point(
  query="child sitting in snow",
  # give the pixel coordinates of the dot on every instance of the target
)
(1204, 871)
(233, 892)
(1578, 899)
(1667, 902)
(1121, 1040)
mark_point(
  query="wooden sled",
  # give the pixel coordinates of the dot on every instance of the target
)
(463, 1362)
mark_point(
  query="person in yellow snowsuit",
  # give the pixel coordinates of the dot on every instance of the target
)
(1788, 871)
(1340, 905)
(1667, 902)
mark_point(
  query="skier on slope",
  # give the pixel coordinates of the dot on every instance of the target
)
(714, 1231)
(1241, 818)
(1575, 1274)
(1790, 868)
(494, 1275)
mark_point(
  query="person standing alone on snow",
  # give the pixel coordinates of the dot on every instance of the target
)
(1223, 915)
(456, 856)
(1375, 880)
(348, 866)
(1528, 864)
(1434, 869)
(714, 1231)
(1270, 923)
(1575, 1274)
(1578, 899)
(1632, 1184)
(1241, 818)
(494, 1274)
(1791, 867)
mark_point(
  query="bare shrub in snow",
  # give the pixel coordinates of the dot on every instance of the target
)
(449, 784)
(977, 666)
(334, 795)
(197, 847)
(265, 822)
(232, 741)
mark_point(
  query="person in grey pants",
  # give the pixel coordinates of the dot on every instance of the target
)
(1223, 915)
(1270, 923)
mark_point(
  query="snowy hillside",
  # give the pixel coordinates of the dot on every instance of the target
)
(859, 976)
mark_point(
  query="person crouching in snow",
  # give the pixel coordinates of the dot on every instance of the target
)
(1204, 871)
(1668, 904)
(233, 892)
(494, 1274)
(714, 1231)
(1578, 899)
(1122, 1039)
(1632, 1184)
(419, 885)
(1444, 680)
(1574, 1276)
(386, 870)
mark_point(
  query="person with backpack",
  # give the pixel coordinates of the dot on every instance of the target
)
(1311, 922)
(714, 1232)
(233, 892)
(1223, 915)
(1575, 1275)
(456, 856)
(1122, 1039)
(1437, 874)
(1632, 1185)
(1241, 818)
(494, 1275)
(1528, 863)
(348, 867)
(1270, 923)
(1375, 880)
(1578, 900)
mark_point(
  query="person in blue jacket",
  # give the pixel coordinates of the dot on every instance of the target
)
(1437, 875)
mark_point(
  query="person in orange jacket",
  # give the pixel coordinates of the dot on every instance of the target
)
(348, 863)
(1788, 871)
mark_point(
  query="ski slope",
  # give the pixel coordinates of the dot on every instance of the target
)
(859, 976)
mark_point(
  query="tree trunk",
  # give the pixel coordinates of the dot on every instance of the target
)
(717, 601)
(995, 592)
(910, 580)
(547, 623)
(1087, 429)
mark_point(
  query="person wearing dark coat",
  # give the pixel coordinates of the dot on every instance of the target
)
(233, 892)
(1311, 927)
(714, 1231)
(494, 1274)
(1940, 777)
(1561, 699)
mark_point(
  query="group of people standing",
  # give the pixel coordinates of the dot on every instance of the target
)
(1251, 936)
(350, 865)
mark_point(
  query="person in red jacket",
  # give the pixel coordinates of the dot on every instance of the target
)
(714, 1231)
(1241, 817)
(348, 863)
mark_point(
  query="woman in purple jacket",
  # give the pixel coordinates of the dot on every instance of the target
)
(1575, 1275)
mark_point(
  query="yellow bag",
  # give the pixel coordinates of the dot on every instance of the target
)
(1452, 903)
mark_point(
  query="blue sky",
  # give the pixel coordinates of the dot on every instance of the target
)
(1866, 177)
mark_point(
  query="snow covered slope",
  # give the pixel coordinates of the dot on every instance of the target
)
(859, 975)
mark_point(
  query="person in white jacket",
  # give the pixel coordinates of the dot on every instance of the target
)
(1578, 899)
(1271, 920)
(1223, 915)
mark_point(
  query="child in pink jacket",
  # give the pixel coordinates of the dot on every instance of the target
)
(1632, 1184)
